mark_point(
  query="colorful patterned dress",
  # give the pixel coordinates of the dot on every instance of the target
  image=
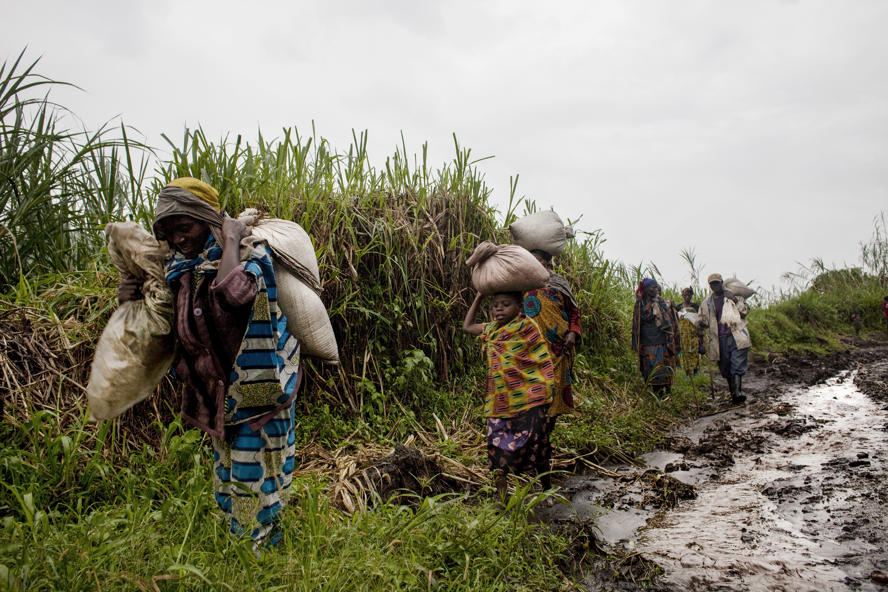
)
(242, 371)
(656, 338)
(690, 340)
(520, 378)
(556, 313)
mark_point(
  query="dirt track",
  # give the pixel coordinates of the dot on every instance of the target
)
(788, 492)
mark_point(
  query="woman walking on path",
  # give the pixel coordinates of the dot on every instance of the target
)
(239, 363)
(691, 337)
(520, 377)
(655, 336)
(555, 311)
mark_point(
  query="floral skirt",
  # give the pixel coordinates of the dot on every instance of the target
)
(520, 444)
(655, 366)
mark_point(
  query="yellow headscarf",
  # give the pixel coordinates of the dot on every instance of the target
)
(200, 189)
(189, 197)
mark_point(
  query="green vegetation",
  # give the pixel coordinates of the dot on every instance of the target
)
(58, 187)
(814, 317)
(78, 518)
(127, 504)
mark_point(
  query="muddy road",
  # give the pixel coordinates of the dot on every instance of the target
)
(788, 492)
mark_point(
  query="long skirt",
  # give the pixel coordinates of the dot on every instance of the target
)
(690, 344)
(520, 444)
(655, 366)
(252, 475)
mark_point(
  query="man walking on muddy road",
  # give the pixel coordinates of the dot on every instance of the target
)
(727, 340)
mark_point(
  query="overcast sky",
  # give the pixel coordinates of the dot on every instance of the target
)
(755, 133)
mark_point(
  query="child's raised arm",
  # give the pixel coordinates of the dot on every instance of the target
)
(469, 324)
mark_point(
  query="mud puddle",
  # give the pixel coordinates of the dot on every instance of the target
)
(789, 492)
(803, 508)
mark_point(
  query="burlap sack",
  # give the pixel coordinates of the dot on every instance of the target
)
(541, 230)
(505, 268)
(298, 284)
(135, 349)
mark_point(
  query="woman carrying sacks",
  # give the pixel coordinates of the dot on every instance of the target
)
(655, 336)
(555, 311)
(239, 363)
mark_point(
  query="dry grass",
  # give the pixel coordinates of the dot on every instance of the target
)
(44, 365)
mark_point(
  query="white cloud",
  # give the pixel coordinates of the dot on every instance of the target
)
(667, 125)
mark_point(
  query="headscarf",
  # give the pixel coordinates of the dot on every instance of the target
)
(191, 197)
(639, 291)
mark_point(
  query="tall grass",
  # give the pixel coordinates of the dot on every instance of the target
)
(58, 186)
(391, 243)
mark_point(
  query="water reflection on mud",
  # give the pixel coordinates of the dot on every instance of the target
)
(799, 505)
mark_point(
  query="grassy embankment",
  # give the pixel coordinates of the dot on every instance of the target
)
(128, 505)
(815, 318)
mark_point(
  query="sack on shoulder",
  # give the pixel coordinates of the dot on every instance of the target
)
(135, 349)
(298, 282)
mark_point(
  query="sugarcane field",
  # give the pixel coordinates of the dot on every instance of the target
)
(620, 323)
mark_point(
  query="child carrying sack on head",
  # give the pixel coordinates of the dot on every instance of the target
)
(520, 379)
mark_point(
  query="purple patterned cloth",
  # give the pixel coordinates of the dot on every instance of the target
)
(520, 444)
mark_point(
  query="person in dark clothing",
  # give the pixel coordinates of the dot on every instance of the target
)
(885, 311)
(655, 336)
(724, 317)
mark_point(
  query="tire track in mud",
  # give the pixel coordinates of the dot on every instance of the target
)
(786, 493)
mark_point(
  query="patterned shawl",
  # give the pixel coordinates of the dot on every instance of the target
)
(266, 372)
(562, 285)
(520, 373)
(666, 318)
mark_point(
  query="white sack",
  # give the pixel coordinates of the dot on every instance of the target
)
(541, 230)
(505, 268)
(284, 236)
(306, 317)
(731, 317)
(298, 284)
(136, 348)
(735, 287)
(690, 315)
